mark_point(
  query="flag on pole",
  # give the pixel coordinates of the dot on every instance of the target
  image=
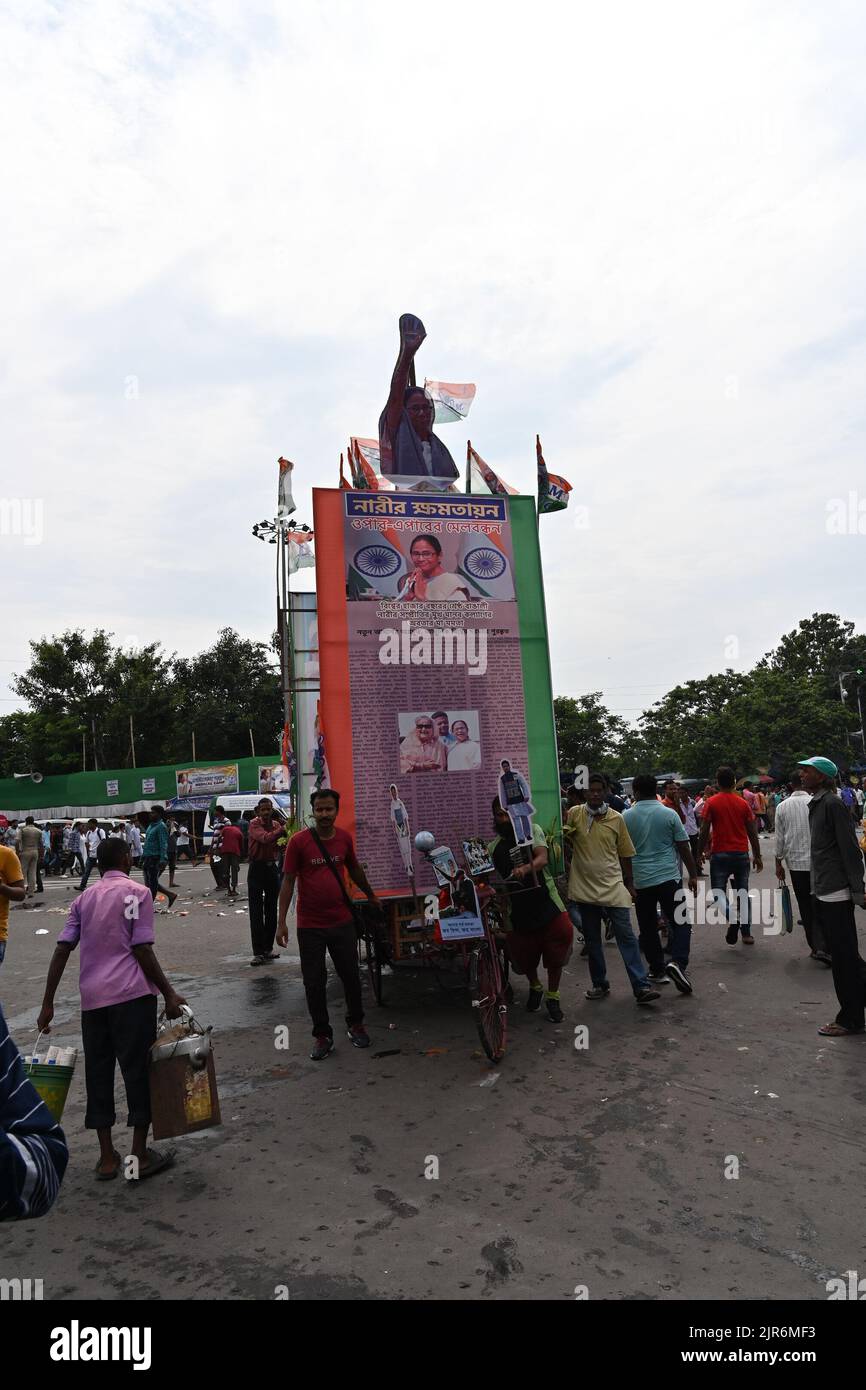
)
(481, 478)
(365, 459)
(300, 552)
(320, 762)
(452, 399)
(289, 761)
(552, 490)
(285, 500)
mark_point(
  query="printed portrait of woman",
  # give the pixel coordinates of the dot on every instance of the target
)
(422, 750)
(428, 580)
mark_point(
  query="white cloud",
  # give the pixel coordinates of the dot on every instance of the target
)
(637, 228)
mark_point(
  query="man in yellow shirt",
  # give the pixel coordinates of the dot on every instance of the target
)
(11, 891)
(601, 877)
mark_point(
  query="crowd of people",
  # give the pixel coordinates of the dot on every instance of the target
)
(646, 850)
(63, 849)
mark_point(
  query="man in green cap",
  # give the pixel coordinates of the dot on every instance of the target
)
(837, 885)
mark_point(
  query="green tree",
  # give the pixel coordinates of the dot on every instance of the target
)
(821, 647)
(223, 693)
(587, 734)
(82, 684)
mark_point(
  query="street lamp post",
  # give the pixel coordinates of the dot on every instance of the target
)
(858, 672)
(276, 533)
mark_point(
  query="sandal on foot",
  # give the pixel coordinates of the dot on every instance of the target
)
(109, 1177)
(835, 1030)
(158, 1162)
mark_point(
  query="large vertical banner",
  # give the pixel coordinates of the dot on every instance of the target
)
(433, 647)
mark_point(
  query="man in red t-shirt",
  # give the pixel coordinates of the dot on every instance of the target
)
(732, 823)
(263, 879)
(325, 918)
(230, 849)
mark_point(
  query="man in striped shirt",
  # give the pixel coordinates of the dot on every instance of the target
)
(794, 847)
(33, 1152)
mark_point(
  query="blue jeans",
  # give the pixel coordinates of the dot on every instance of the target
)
(89, 867)
(736, 866)
(620, 919)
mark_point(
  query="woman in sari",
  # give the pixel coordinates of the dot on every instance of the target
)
(422, 750)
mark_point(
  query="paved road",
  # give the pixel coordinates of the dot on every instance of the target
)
(602, 1167)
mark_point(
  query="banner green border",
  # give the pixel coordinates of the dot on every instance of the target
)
(535, 661)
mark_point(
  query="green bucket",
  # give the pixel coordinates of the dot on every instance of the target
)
(52, 1083)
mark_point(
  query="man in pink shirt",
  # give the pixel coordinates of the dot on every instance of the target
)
(119, 979)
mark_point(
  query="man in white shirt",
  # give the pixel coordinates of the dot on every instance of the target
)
(92, 839)
(794, 846)
(133, 839)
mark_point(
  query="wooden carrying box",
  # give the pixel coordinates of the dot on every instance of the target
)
(183, 1089)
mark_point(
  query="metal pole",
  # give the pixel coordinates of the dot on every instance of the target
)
(95, 755)
(252, 745)
(83, 750)
(193, 746)
(860, 710)
(132, 740)
(286, 660)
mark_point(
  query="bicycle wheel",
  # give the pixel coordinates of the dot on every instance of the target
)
(488, 1001)
(370, 958)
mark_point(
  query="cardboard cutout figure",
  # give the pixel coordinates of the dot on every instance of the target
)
(400, 822)
(516, 798)
(410, 453)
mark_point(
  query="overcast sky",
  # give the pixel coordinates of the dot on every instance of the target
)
(639, 229)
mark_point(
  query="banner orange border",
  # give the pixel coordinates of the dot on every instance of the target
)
(333, 620)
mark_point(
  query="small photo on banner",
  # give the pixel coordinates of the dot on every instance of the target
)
(439, 742)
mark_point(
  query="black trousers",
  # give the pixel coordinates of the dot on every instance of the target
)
(668, 896)
(800, 882)
(342, 944)
(263, 888)
(849, 969)
(120, 1033)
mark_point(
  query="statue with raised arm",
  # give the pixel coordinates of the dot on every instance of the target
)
(409, 448)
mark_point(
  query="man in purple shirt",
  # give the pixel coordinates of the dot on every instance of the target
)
(119, 979)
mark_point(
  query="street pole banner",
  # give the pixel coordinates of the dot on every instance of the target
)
(432, 646)
(204, 781)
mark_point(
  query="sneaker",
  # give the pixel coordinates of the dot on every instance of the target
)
(554, 1012)
(647, 996)
(533, 1000)
(659, 977)
(749, 940)
(321, 1050)
(358, 1036)
(598, 992)
(678, 975)
(258, 960)
(731, 935)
